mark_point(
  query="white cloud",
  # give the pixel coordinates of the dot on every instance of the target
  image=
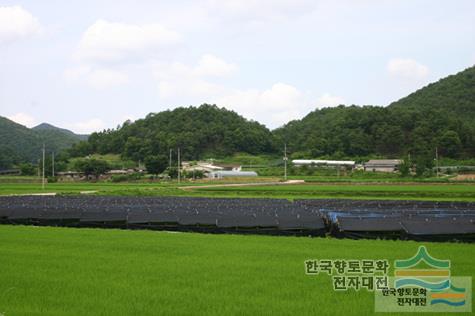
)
(113, 42)
(102, 78)
(407, 68)
(106, 78)
(177, 79)
(328, 100)
(17, 23)
(273, 107)
(77, 72)
(188, 87)
(210, 65)
(104, 44)
(23, 119)
(89, 126)
(259, 9)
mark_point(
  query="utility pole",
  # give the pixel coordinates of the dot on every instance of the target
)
(437, 161)
(170, 161)
(52, 164)
(43, 178)
(39, 168)
(285, 161)
(178, 164)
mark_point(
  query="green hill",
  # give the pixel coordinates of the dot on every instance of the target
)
(48, 130)
(440, 115)
(454, 94)
(21, 144)
(199, 132)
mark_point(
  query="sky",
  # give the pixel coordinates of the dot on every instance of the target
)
(92, 64)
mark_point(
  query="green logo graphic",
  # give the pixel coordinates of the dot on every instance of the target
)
(424, 283)
(422, 255)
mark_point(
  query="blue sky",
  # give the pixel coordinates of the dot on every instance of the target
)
(89, 65)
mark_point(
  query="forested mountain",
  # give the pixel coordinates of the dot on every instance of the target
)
(197, 131)
(49, 131)
(21, 144)
(454, 94)
(440, 115)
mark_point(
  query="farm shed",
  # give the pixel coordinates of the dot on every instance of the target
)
(382, 165)
(231, 174)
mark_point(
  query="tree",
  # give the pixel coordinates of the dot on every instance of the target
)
(133, 148)
(424, 164)
(405, 168)
(173, 172)
(156, 164)
(82, 148)
(27, 169)
(450, 144)
(94, 167)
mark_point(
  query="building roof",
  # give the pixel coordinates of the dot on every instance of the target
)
(118, 171)
(67, 173)
(227, 165)
(230, 173)
(383, 162)
(323, 162)
(208, 165)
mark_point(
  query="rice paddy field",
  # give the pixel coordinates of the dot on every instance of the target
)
(363, 190)
(84, 271)
(70, 271)
(404, 191)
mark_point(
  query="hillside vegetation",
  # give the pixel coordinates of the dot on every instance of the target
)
(441, 115)
(198, 131)
(21, 144)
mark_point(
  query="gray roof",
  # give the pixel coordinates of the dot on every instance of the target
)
(383, 162)
(226, 173)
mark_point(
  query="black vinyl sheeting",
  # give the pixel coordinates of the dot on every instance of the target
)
(419, 220)
(266, 216)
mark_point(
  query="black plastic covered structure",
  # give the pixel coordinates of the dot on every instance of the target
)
(420, 220)
(270, 216)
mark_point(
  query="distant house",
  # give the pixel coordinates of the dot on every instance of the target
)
(118, 172)
(382, 165)
(207, 167)
(229, 167)
(70, 175)
(202, 166)
(10, 172)
(231, 174)
(328, 163)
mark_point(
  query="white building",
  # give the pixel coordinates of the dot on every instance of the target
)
(329, 163)
(208, 167)
(231, 174)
